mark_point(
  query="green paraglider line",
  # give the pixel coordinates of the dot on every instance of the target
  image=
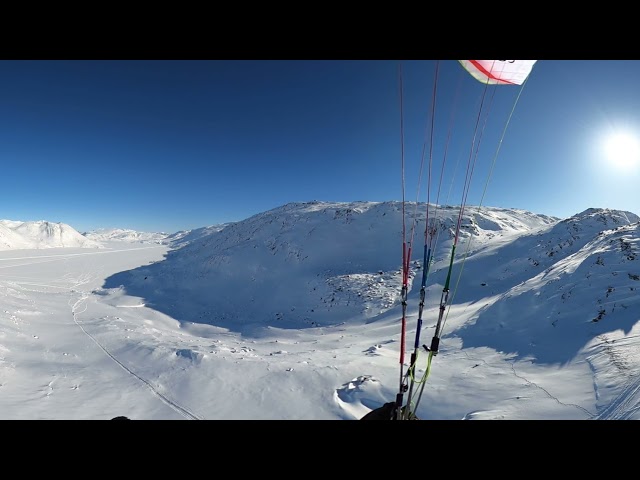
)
(453, 254)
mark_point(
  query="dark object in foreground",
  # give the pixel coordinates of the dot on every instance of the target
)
(120, 418)
(385, 412)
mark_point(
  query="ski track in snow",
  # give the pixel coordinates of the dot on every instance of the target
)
(82, 302)
(625, 405)
(79, 306)
(528, 382)
(66, 255)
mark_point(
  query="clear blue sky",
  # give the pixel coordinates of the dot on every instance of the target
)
(172, 145)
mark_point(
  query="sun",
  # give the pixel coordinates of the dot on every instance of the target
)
(622, 150)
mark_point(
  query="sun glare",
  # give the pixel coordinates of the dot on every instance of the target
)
(622, 150)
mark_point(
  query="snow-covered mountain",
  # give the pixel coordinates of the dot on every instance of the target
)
(175, 240)
(541, 321)
(125, 235)
(325, 263)
(322, 263)
(41, 234)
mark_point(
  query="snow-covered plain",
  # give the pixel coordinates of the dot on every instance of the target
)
(295, 313)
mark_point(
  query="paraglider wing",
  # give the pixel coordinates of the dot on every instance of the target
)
(499, 72)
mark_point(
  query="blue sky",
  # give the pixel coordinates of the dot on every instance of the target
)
(174, 145)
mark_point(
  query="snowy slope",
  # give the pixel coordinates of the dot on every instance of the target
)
(183, 237)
